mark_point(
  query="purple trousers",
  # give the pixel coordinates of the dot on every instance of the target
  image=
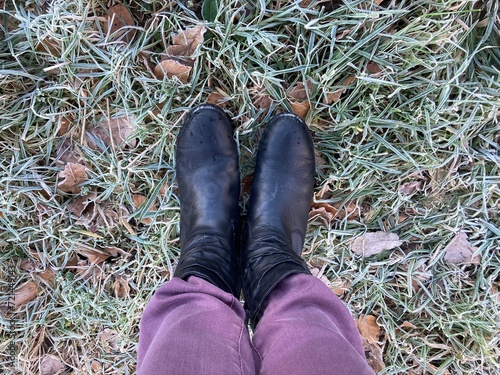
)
(194, 328)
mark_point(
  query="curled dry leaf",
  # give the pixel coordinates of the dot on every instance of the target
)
(109, 339)
(36, 267)
(95, 366)
(25, 293)
(374, 69)
(67, 153)
(410, 187)
(217, 98)
(374, 243)
(51, 365)
(334, 97)
(260, 98)
(74, 174)
(94, 255)
(460, 251)
(80, 203)
(64, 125)
(121, 287)
(368, 328)
(120, 18)
(298, 97)
(339, 286)
(370, 332)
(138, 200)
(336, 211)
(49, 45)
(173, 68)
(115, 131)
(184, 43)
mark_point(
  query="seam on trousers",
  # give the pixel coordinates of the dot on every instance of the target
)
(239, 347)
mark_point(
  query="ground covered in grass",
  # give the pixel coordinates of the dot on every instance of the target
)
(402, 98)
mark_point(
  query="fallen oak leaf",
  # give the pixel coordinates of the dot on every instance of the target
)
(374, 243)
(260, 98)
(117, 130)
(25, 293)
(138, 200)
(368, 328)
(80, 203)
(49, 45)
(94, 255)
(173, 68)
(184, 43)
(334, 97)
(460, 251)
(121, 287)
(109, 339)
(120, 18)
(373, 69)
(299, 98)
(370, 333)
(51, 365)
(410, 187)
(336, 211)
(74, 174)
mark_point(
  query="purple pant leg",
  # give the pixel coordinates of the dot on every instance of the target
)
(306, 329)
(192, 327)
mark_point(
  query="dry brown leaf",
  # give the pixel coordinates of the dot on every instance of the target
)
(368, 328)
(138, 200)
(49, 45)
(298, 97)
(36, 267)
(374, 356)
(120, 17)
(260, 98)
(370, 332)
(95, 366)
(25, 293)
(51, 365)
(184, 43)
(336, 211)
(373, 69)
(80, 203)
(66, 153)
(372, 243)
(339, 286)
(300, 108)
(410, 187)
(109, 339)
(94, 255)
(460, 251)
(121, 287)
(407, 324)
(334, 97)
(246, 184)
(173, 68)
(64, 125)
(116, 131)
(217, 98)
(74, 174)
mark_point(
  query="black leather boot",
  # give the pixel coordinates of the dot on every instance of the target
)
(278, 210)
(209, 187)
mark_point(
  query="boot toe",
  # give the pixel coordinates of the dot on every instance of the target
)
(206, 128)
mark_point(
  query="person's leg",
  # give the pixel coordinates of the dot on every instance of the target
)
(300, 326)
(306, 329)
(193, 327)
(193, 324)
